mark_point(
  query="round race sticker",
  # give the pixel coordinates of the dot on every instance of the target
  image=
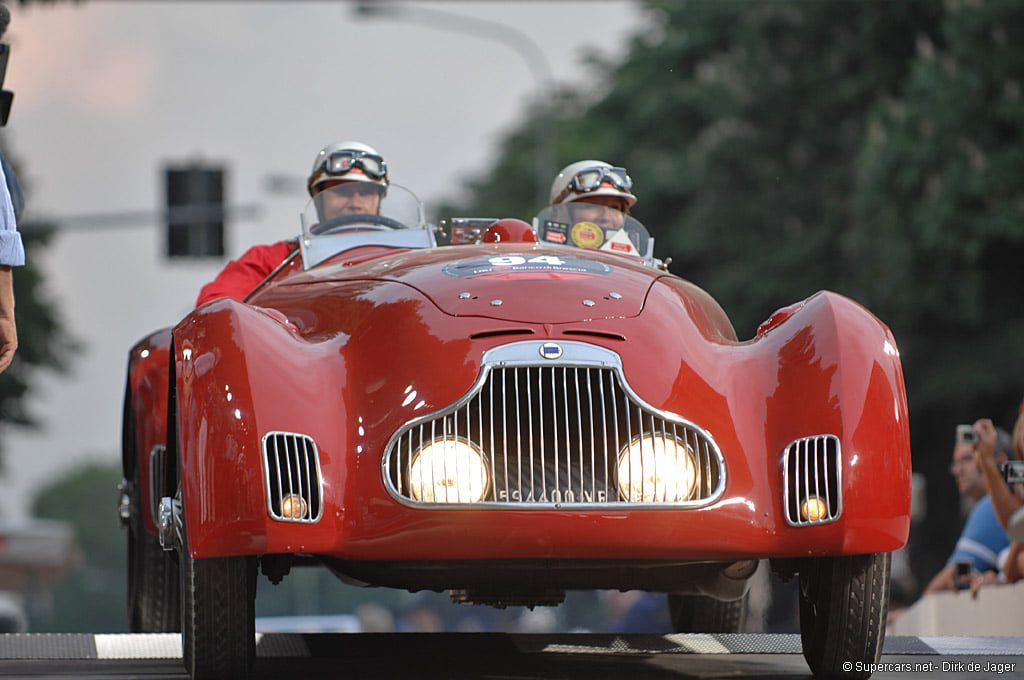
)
(587, 235)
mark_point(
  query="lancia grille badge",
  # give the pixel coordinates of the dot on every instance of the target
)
(550, 350)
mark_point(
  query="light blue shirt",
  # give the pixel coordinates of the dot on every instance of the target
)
(12, 252)
(982, 539)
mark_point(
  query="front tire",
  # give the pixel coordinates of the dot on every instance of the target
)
(703, 614)
(218, 615)
(843, 606)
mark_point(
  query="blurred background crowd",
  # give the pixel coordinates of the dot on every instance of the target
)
(782, 148)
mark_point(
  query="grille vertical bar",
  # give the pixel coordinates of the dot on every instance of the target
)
(291, 467)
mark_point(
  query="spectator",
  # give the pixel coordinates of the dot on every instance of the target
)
(983, 538)
(12, 254)
(1007, 502)
(966, 472)
(1004, 501)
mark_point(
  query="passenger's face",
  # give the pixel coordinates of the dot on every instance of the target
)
(605, 211)
(349, 198)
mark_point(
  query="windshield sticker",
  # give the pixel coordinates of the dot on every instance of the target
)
(619, 242)
(554, 266)
(555, 232)
(587, 235)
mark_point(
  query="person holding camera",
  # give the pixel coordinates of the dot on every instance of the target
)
(1006, 501)
(983, 538)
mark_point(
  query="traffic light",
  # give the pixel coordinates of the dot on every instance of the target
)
(195, 210)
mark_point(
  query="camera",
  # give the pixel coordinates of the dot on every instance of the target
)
(962, 574)
(1013, 471)
(965, 434)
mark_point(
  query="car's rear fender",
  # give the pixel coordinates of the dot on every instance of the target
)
(144, 425)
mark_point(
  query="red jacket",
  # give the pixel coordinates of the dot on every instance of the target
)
(241, 276)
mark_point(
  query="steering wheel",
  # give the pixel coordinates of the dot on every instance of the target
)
(356, 222)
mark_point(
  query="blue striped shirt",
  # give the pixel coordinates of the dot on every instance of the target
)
(12, 252)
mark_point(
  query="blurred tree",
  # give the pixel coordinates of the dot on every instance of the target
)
(940, 200)
(43, 341)
(739, 122)
(93, 598)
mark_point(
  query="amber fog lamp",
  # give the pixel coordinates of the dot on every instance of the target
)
(813, 509)
(656, 469)
(294, 506)
(449, 471)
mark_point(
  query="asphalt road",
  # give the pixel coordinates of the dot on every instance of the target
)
(517, 657)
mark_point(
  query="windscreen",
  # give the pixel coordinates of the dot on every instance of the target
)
(355, 214)
(594, 227)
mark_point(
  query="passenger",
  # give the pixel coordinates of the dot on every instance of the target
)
(590, 188)
(348, 178)
(983, 540)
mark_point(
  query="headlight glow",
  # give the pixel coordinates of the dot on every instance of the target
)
(813, 509)
(294, 506)
(449, 471)
(656, 469)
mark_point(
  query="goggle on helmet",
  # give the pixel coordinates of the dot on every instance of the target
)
(592, 178)
(351, 164)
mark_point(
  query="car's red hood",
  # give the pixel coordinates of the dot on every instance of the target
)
(512, 282)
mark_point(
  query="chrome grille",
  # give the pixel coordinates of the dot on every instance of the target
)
(551, 433)
(812, 467)
(291, 468)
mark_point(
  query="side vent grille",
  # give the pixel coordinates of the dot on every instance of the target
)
(291, 467)
(812, 469)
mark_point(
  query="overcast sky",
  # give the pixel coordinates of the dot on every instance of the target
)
(108, 91)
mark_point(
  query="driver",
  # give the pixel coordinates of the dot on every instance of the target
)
(347, 178)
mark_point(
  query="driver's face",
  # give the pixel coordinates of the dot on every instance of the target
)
(349, 198)
(604, 211)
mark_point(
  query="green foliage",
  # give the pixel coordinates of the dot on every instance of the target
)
(93, 597)
(940, 186)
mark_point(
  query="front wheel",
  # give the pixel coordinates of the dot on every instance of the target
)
(843, 606)
(218, 615)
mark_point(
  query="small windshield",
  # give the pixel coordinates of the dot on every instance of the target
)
(361, 213)
(596, 227)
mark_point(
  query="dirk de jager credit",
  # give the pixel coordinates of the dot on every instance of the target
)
(989, 667)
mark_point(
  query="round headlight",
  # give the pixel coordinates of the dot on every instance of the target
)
(813, 509)
(448, 471)
(656, 469)
(294, 506)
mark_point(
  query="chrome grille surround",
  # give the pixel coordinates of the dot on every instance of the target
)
(575, 469)
(812, 466)
(291, 465)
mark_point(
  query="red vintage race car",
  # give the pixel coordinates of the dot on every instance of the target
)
(536, 410)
